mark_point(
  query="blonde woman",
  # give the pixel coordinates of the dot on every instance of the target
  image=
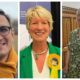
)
(33, 59)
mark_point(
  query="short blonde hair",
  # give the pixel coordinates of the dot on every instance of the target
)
(41, 12)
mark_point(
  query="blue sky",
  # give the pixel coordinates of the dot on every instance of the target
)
(10, 8)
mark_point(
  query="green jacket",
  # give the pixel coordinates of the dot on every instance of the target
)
(26, 60)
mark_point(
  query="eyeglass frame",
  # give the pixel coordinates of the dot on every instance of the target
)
(8, 27)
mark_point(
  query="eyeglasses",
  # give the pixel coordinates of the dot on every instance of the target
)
(4, 30)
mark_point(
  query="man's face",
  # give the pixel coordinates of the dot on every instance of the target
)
(6, 36)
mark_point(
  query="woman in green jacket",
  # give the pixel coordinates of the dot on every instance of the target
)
(34, 58)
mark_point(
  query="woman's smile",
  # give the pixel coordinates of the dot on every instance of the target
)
(39, 33)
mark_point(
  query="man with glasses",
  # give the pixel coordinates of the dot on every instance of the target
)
(8, 56)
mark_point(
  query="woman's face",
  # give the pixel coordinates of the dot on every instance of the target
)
(39, 29)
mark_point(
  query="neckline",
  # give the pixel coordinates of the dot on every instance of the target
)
(43, 65)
